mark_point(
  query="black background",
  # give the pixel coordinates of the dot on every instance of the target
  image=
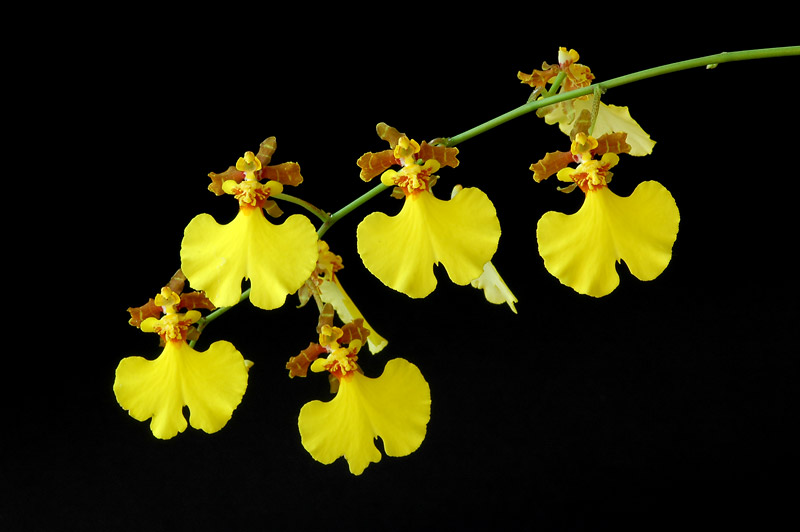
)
(665, 403)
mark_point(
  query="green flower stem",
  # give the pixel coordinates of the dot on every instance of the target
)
(205, 320)
(709, 61)
(344, 211)
(550, 98)
(556, 84)
(598, 91)
(316, 211)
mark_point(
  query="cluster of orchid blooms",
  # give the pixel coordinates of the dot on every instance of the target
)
(460, 232)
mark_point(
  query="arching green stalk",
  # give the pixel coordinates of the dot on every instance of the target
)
(316, 211)
(709, 61)
(344, 211)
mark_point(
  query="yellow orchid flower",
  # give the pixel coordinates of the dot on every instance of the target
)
(277, 259)
(576, 75)
(461, 234)
(394, 407)
(608, 118)
(210, 383)
(581, 249)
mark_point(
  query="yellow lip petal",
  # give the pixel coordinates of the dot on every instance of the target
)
(581, 249)
(210, 383)
(276, 258)
(394, 407)
(461, 234)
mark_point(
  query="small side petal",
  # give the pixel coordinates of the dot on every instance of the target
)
(394, 407)
(276, 258)
(462, 234)
(581, 249)
(374, 164)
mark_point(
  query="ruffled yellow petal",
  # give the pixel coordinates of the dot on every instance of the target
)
(395, 406)
(581, 249)
(211, 384)
(332, 292)
(615, 119)
(461, 234)
(276, 258)
(610, 119)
